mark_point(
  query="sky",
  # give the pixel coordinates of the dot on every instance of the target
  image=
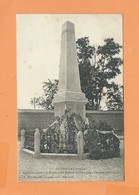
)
(38, 38)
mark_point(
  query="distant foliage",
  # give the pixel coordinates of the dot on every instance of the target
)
(115, 97)
(98, 67)
(50, 89)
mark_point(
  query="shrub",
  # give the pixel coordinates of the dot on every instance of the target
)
(100, 141)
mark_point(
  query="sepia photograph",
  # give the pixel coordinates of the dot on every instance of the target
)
(70, 92)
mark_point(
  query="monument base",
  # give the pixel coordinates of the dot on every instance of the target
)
(74, 107)
(70, 100)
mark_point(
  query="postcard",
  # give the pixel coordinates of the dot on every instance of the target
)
(69, 114)
(83, 81)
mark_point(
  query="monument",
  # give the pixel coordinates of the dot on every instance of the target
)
(69, 94)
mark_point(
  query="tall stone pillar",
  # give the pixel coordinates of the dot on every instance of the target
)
(69, 95)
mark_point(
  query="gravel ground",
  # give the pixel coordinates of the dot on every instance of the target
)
(31, 169)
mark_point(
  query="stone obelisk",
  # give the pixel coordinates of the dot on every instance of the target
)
(69, 95)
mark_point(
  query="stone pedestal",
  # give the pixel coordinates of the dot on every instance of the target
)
(69, 94)
(37, 143)
(80, 145)
(22, 139)
(73, 101)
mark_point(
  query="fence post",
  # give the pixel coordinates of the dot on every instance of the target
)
(80, 145)
(37, 143)
(22, 139)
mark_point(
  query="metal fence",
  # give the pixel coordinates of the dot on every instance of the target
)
(58, 143)
(29, 140)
